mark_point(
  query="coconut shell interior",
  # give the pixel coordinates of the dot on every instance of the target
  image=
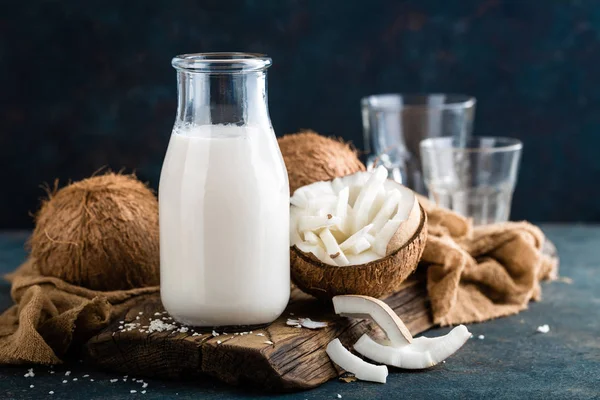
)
(376, 279)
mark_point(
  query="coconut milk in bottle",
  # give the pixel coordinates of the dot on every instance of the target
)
(223, 198)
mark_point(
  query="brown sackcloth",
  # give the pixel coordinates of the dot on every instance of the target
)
(51, 316)
(479, 273)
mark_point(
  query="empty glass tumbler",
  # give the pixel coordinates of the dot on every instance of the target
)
(395, 124)
(476, 178)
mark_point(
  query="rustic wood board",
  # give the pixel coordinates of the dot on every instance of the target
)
(296, 359)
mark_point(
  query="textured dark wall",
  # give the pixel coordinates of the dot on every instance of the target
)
(89, 84)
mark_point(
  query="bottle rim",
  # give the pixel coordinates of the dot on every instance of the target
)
(221, 62)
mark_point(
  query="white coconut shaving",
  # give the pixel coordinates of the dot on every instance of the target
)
(157, 325)
(351, 363)
(306, 323)
(543, 329)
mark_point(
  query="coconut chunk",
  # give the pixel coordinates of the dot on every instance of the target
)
(355, 306)
(317, 251)
(342, 202)
(384, 236)
(312, 238)
(363, 258)
(299, 199)
(366, 197)
(362, 244)
(352, 240)
(332, 248)
(386, 211)
(337, 185)
(351, 363)
(422, 353)
(311, 223)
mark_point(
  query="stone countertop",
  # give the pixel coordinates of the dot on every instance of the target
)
(510, 361)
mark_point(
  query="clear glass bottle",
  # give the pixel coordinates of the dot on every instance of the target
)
(223, 197)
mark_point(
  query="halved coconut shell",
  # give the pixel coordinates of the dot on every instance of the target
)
(376, 279)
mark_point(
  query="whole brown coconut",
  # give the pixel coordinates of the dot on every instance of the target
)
(376, 279)
(100, 233)
(310, 157)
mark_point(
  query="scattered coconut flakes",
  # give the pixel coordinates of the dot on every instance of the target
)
(141, 313)
(215, 334)
(292, 322)
(143, 392)
(113, 380)
(219, 342)
(67, 373)
(292, 313)
(543, 328)
(133, 391)
(481, 337)
(195, 334)
(137, 317)
(121, 327)
(64, 381)
(260, 334)
(86, 375)
(31, 386)
(157, 325)
(184, 329)
(53, 371)
(74, 379)
(51, 392)
(29, 373)
(156, 313)
(268, 342)
(91, 380)
(339, 396)
(121, 322)
(144, 385)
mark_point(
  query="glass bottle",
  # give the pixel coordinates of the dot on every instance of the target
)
(223, 197)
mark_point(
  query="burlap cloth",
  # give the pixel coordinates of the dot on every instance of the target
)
(473, 274)
(51, 317)
(479, 273)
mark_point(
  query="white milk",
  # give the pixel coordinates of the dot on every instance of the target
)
(224, 226)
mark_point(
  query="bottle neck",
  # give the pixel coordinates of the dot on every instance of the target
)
(226, 98)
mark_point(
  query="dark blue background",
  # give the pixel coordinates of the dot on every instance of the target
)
(89, 84)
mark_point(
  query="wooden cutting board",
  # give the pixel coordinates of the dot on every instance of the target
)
(295, 360)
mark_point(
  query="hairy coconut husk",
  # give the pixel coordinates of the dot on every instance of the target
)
(100, 233)
(310, 157)
(375, 279)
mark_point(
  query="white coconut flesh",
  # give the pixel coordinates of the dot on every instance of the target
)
(422, 353)
(351, 363)
(352, 220)
(355, 306)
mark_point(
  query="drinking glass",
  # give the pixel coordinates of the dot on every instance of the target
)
(395, 124)
(476, 178)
